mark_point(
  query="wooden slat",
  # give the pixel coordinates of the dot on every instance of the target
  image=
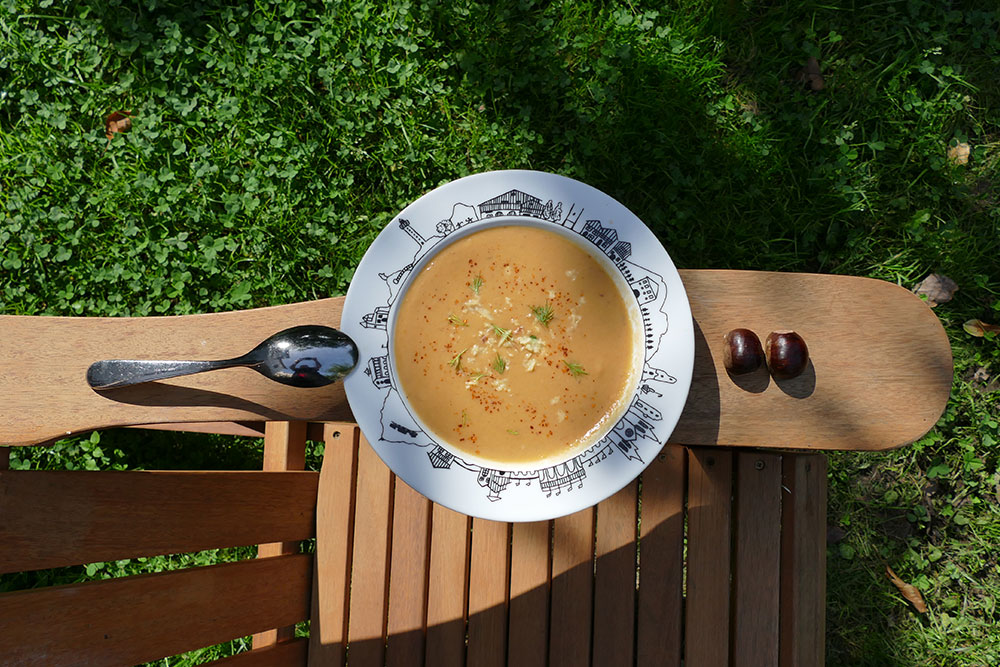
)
(706, 628)
(803, 560)
(447, 588)
(369, 575)
(757, 560)
(284, 449)
(408, 577)
(528, 635)
(56, 518)
(334, 535)
(571, 607)
(661, 565)
(615, 578)
(884, 398)
(488, 588)
(136, 619)
(4, 458)
(284, 654)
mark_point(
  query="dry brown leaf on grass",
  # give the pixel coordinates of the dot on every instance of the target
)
(937, 288)
(811, 75)
(978, 328)
(959, 153)
(117, 121)
(909, 591)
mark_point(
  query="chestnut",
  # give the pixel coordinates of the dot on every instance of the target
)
(742, 353)
(787, 354)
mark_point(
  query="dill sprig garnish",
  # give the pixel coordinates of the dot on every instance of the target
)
(477, 282)
(576, 370)
(456, 361)
(499, 364)
(502, 334)
(512, 431)
(543, 314)
(476, 377)
(457, 321)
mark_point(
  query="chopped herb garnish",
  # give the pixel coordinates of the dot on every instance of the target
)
(499, 364)
(502, 334)
(456, 361)
(457, 321)
(476, 377)
(543, 314)
(576, 370)
(465, 418)
(512, 431)
(477, 282)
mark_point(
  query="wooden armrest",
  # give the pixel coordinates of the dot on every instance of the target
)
(880, 372)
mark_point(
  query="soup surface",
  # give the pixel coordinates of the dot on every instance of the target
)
(514, 345)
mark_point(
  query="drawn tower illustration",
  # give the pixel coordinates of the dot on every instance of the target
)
(411, 232)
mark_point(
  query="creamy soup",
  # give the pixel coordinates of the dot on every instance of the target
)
(514, 345)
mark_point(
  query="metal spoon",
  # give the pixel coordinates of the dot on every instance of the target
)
(303, 356)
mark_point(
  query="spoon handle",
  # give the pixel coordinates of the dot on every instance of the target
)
(111, 373)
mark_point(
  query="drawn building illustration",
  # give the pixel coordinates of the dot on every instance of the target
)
(377, 319)
(378, 371)
(512, 202)
(601, 236)
(644, 289)
(620, 251)
(561, 477)
(440, 457)
(494, 480)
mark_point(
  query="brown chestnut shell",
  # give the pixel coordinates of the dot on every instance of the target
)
(787, 354)
(741, 352)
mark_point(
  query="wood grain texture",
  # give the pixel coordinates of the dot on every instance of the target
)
(883, 393)
(447, 588)
(136, 619)
(369, 572)
(661, 564)
(528, 634)
(56, 518)
(615, 579)
(284, 449)
(572, 602)
(488, 586)
(334, 548)
(887, 394)
(757, 560)
(803, 561)
(289, 653)
(405, 644)
(706, 620)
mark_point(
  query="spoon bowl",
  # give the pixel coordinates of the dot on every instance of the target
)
(302, 356)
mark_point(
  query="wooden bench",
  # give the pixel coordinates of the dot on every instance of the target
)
(714, 556)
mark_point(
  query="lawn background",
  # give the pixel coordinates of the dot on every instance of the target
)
(271, 142)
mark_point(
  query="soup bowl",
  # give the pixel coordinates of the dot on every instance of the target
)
(660, 337)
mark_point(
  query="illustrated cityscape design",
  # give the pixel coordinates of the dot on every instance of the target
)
(638, 421)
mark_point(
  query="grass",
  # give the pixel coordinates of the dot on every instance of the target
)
(271, 142)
